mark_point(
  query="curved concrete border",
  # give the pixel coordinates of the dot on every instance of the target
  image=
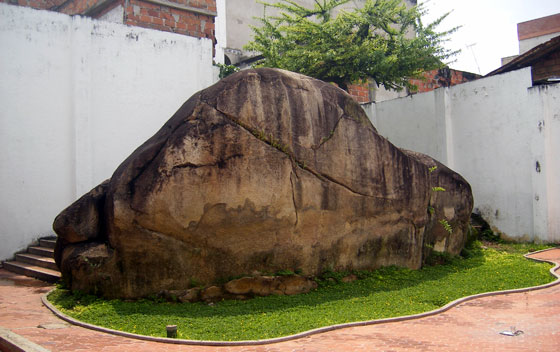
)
(10, 341)
(314, 331)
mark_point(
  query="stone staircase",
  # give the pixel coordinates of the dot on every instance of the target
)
(37, 262)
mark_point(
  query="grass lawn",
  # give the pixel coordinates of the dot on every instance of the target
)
(383, 293)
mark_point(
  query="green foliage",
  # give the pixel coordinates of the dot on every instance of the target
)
(431, 210)
(194, 282)
(472, 236)
(489, 235)
(330, 277)
(446, 226)
(439, 258)
(369, 42)
(470, 251)
(516, 248)
(226, 70)
(383, 293)
(269, 139)
(285, 272)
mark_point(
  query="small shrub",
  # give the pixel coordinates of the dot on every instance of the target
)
(471, 249)
(472, 236)
(226, 70)
(329, 276)
(194, 283)
(490, 236)
(431, 210)
(439, 258)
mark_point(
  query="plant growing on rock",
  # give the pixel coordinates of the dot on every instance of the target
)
(431, 210)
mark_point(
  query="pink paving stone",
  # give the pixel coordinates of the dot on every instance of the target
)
(471, 326)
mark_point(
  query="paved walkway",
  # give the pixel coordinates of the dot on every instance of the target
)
(471, 326)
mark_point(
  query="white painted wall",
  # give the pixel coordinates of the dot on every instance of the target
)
(115, 15)
(77, 96)
(418, 128)
(220, 31)
(528, 44)
(493, 131)
(549, 130)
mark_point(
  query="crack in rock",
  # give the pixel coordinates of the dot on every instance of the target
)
(294, 198)
(290, 154)
(220, 163)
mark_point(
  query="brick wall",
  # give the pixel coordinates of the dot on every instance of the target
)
(165, 18)
(444, 77)
(360, 92)
(194, 18)
(77, 6)
(546, 68)
(538, 27)
(35, 4)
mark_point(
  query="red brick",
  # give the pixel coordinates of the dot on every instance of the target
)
(161, 17)
(148, 5)
(166, 15)
(181, 25)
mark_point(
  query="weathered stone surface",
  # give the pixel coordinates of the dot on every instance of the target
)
(264, 171)
(191, 295)
(270, 285)
(453, 204)
(294, 285)
(211, 293)
(87, 210)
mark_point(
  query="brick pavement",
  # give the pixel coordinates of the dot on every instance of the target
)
(474, 325)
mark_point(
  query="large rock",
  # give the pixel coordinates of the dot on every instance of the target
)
(265, 171)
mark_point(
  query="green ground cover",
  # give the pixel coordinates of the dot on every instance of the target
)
(383, 293)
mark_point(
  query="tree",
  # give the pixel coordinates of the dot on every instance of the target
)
(368, 42)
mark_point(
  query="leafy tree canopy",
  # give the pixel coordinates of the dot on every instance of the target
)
(367, 42)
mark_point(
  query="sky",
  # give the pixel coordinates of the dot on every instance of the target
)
(489, 28)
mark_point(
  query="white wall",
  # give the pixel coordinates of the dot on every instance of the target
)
(418, 127)
(493, 131)
(77, 96)
(549, 131)
(220, 26)
(528, 44)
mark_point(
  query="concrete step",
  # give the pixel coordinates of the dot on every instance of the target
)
(37, 260)
(33, 271)
(43, 251)
(47, 242)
